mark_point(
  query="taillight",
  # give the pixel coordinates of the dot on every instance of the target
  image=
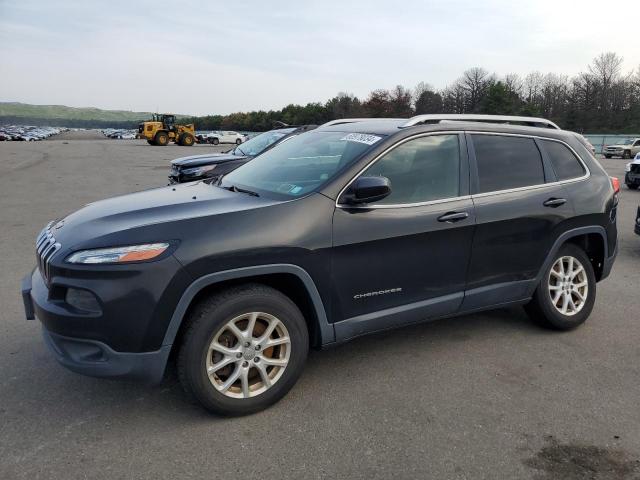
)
(615, 183)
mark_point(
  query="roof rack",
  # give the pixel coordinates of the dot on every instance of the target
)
(340, 121)
(437, 118)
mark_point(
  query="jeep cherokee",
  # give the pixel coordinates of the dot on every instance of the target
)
(356, 227)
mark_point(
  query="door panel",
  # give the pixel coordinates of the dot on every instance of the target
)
(513, 234)
(384, 258)
(515, 227)
(405, 258)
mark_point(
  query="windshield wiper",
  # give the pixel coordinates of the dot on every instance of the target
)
(240, 150)
(233, 188)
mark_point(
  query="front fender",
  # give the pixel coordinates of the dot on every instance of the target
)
(326, 330)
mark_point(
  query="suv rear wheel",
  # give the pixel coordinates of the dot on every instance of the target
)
(243, 350)
(566, 294)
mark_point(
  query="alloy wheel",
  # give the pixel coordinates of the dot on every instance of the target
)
(248, 355)
(568, 285)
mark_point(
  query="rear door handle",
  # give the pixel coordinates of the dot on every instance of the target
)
(451, 217)
(555, 202)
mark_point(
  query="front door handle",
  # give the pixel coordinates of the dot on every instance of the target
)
(451, 217)
(555, 202)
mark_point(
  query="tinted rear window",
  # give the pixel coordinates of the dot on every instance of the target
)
(507, 162)
(564, 162)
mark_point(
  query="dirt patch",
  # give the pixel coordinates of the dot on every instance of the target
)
(582, 462)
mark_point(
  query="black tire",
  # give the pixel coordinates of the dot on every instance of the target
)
(161, 139)
(209, 317)
(541, 308)
(607, 156)
(632, 186)
(186, 140)
(238, 141)
(626, 154)
(215, 141)
(151, 142)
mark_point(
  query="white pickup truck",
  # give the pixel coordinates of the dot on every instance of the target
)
(625, 150)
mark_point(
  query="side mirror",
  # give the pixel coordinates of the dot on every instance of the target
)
(367, 190)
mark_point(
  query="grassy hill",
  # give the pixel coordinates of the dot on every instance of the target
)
(27, 114)
(61, 112)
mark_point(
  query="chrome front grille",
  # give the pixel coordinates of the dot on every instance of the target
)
(46, 247)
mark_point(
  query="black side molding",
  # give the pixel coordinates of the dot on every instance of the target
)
(26, 298)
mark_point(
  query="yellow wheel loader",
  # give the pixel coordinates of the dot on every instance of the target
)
(162, 129)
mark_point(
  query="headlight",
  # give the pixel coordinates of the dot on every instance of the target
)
(628, 167)
(133, 253)
(198, 170)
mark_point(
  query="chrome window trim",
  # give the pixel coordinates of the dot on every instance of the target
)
(398, 205)
(539, 185)
(464, 197)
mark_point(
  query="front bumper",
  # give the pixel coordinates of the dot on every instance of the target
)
(121, 340)
(614, 153)
(96, 359)
(637, 226)
(632, 178)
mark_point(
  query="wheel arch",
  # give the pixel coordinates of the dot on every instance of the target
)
(291, 280)
(592, 239)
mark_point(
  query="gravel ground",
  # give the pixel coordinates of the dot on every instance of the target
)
(481, 396)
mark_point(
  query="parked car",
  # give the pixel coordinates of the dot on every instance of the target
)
(120, 133)
(212, 166)
(28, 133)
(624, 150)
(225, 137)
(352, 228)
(637, 227)
(632, 173)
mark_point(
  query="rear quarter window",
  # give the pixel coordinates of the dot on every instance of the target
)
(506, 162)
(565, 163)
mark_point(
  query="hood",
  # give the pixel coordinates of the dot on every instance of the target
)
(207, 159)
(96, 222)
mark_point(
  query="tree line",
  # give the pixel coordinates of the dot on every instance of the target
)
(602, 99)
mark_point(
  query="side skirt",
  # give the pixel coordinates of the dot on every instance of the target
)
(393, 318)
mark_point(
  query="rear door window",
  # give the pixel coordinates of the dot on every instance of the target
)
(565, 163)
(506, 162)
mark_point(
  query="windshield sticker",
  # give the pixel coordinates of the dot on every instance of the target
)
(361, 138)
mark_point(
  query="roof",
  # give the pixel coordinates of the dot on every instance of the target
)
(391, 126)
(382, 126)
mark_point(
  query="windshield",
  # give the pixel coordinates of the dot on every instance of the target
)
(258, 143)
(302, 164)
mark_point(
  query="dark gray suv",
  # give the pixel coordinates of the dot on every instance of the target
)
(356, 227)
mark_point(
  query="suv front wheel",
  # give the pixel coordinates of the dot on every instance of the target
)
(566, 294)
(243, 350)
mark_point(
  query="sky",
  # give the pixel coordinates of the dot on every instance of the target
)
(213, 57)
